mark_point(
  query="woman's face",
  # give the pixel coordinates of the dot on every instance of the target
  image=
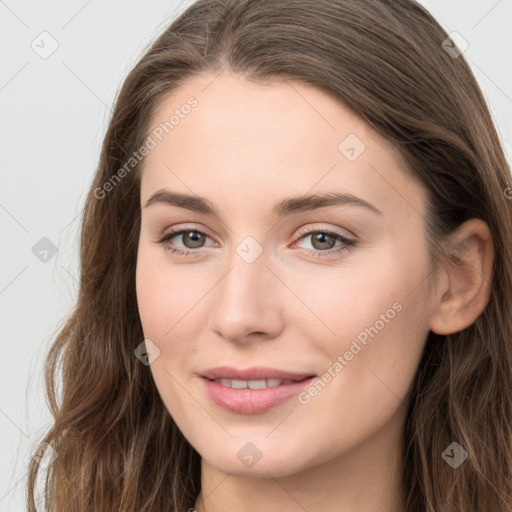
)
(281, 275)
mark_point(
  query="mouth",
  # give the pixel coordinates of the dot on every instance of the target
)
(254, 384)
(252, 391)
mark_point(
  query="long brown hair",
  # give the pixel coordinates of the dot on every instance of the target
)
(117, 446)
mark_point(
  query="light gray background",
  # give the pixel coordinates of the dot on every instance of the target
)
(54, 113)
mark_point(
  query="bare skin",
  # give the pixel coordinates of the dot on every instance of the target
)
(300, 304)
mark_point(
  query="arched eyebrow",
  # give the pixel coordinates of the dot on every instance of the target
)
(283, 208)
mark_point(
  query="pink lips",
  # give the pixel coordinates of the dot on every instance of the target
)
(253, 401)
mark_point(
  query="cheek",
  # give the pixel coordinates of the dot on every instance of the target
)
(165, 299)
(162, 294)
(172, 302)
(377, 318)
(354, 298)
(151, 299)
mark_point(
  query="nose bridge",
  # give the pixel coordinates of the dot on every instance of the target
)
(246, 299)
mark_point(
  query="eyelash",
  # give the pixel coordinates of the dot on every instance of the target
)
(348, 244)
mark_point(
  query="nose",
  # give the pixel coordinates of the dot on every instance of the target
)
(248, 302)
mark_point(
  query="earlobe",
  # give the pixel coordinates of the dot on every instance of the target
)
(466, 290)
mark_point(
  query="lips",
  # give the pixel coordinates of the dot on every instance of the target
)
(253, 390)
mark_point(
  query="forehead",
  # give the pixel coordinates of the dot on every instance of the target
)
(254, 141)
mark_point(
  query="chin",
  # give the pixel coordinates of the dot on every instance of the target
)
(256, 457)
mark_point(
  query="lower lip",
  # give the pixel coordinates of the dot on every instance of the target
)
(252, 401)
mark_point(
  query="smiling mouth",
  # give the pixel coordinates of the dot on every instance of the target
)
(253, 396)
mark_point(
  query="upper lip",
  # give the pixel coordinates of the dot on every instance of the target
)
(254, 373)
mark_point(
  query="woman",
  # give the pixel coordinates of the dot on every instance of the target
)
(296, 286)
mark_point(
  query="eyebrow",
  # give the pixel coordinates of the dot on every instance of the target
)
(283, 208)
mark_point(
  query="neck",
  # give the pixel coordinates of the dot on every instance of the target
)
(367, 478)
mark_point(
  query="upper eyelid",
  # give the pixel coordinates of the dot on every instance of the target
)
(336, 231)
(182, 230)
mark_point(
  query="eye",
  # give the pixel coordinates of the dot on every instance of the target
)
(192, 239)
(324, 242)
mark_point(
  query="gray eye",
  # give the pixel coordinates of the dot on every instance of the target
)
(321, 240)
(192, 239)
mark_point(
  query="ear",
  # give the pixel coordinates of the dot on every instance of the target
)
(466, 287)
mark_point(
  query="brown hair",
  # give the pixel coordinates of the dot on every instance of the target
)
(118, 447)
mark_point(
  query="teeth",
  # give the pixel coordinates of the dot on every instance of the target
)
(252, 384)
(256, 384)
(239, 384)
